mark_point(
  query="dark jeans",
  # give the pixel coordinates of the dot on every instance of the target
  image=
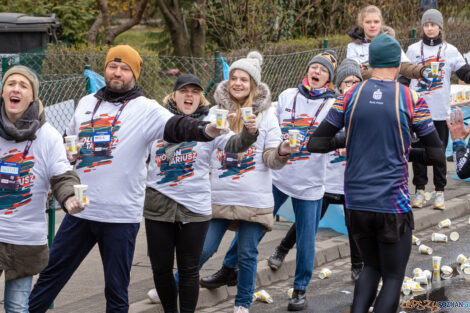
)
(420, 178)
(385, 245)
(73, 241)
(288, 241)
(163, 238)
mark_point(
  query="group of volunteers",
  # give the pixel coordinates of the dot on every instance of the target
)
(358, 123)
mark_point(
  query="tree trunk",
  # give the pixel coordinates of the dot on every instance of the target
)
(174, 20)
(198, 29)
(92, 33)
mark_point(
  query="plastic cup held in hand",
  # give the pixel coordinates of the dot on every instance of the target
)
(246, 113)
(435, 68)
(71, 144)
(221, 118)
(293, 137)
(80, 193)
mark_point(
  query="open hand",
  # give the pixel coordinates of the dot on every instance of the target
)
(456, 125)
(73, 205)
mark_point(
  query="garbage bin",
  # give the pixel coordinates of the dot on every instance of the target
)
(22, 32)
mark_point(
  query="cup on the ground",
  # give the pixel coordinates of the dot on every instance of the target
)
(406, 288)
(246, 113)
(263, 296)
(417, 271)
(415, 240)
(435, 68)
(71, 144)
(80, 193)
(290, 292)
(428, 274)
(421, 278)
(293, 137)
(465, 267)
(423, 249)
(445, 223)
(438, 237)
(454, 236)
(324, 273)
(446, 272)
(461, 258)
(221, 118)
(436, 263)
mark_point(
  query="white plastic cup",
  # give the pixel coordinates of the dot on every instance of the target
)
(445, 223)
(454, 236)
(436, 263)
(80, 193)
(428, 274)
(417, 271)
(465, 267)
(421, 278)
(435, 68)
(71, 144)
(290, 292)
(438, 237)
(221, 118)
(246, 113)
(461, 258)
(415, 240)
(293, 137)
(423, 249)
(460, 95)
(446, 272)
(406, 288)
(324, 273)
(263, 296)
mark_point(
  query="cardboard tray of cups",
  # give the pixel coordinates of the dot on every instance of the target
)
(460, 95)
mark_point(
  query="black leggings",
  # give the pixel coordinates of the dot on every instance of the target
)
(288, 241)
(420, 172)
(188, 239)
(386, 260)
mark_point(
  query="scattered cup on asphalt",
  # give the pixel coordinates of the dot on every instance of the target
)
(324, 273)
(465, 267)
(417, 271)
(445, 223)
(421, 278)
(428, 274)
(415, 240)
(438, 237)
(446, 271)
(290, 292)
(293, 137)
(425, 249)
(461, 258)
(436, 263)
(263, 296)
(406, 288)
(80, 193)
(454, 236)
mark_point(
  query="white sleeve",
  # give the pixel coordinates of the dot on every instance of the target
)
(404, 57)
(55, 154)
(273, 131)
(409, 53)
(351, 53)
(155, 118)
(71, 128)
(457, 61)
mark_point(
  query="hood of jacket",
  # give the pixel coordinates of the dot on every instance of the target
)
(260, 104)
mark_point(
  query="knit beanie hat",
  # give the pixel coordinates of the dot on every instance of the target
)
(30, 74)
(126, 54)
(251, 64)
(346, 68)
(384, 52)
(433, 16)
(328, 59)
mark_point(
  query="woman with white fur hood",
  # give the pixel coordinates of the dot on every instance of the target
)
(242, 197)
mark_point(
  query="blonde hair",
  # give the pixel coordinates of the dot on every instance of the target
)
(170, 98)
(236, 124)
(367, 10)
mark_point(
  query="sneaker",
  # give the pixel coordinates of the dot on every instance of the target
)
(153, 296)
(418, 199)
(240, 309)
(298, 301)
(225, 276)
(439, 203)
(276, 259)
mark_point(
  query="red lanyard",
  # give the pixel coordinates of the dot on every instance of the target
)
(292, 119)
(26, 149)
(115, 118)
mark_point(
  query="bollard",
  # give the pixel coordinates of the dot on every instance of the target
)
(325, 43)
(413, 34)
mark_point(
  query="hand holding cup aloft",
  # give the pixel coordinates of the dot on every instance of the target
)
(72, 147)
(456, 125)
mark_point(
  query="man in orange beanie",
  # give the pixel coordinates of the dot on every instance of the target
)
(114, 127)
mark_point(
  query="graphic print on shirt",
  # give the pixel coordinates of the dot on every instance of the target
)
(245, 165)
(12, 200)
(301, 122)
(86, 159)
(436, 83)
(181, 166)
(335, 157)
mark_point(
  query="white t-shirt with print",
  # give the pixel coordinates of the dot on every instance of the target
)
(438, 95)
(116, 183)
(304, 175)
(334, 175)
(466, 56)
(23, 211)
(359, 52)
(250, 183)
(186, 178)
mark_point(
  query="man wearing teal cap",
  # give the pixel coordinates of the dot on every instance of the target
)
(379, 115)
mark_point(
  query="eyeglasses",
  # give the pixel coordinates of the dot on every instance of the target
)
(349, 83)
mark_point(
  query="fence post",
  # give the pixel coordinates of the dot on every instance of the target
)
(50, 226)
(5, 64)
(216, 66)
(88, 84)
(325, 43)
(413, 32)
